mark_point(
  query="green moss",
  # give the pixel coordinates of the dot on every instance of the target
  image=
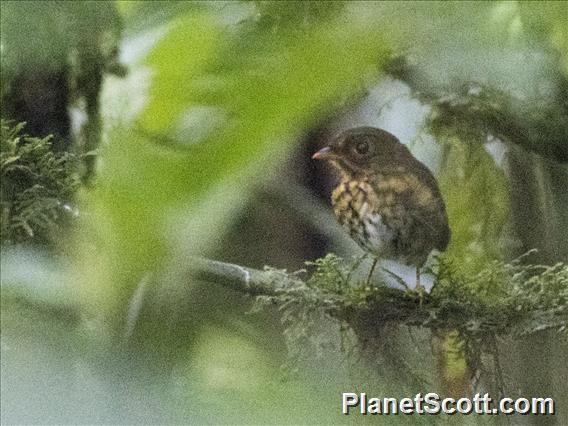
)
(502, 299)
(469, 312)
(36, 187)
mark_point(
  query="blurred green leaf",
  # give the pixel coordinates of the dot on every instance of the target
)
(232, 86)
(178, 60)
(266, 86)
(548, 21)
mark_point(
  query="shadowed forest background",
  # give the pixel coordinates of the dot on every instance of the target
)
(161, 135)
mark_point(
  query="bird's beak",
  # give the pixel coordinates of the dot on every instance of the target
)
(323, 154)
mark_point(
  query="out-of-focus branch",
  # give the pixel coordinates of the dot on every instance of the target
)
(312, 210)
(481, 110)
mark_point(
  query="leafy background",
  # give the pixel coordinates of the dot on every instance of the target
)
(204, 152)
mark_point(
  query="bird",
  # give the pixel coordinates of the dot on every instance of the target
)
(387, 200)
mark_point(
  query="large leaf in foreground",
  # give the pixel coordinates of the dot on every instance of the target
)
(251, 94)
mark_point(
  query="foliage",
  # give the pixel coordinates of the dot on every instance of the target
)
(509, 299)
(216, 119)
(37, 186)
(475, 112)
(54, 56)
(504, 298)
(466, 313)
(332, 273)
(548, 23)
(507, 80)
(217, 97)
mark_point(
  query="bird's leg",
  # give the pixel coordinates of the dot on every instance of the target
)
(421, 291)
(371, 271)
(397, 278)
(418, 285)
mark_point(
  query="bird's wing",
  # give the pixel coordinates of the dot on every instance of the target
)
(424, 204)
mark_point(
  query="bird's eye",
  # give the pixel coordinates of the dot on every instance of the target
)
(362, 148)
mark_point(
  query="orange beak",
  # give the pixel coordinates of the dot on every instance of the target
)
(323, 154)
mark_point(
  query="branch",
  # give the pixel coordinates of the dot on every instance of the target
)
(474, 108)
(239, 278)
(533, 297)
(382, 304)
(503, 299)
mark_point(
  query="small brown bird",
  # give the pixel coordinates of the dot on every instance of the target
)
(387, 200)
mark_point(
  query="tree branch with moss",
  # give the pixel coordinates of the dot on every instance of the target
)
(505, 298)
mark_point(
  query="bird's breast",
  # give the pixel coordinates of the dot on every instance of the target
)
(355, 206)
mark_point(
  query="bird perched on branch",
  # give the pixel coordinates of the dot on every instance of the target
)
(386, 199)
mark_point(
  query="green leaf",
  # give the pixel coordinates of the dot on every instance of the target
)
(178, 60)
(166, 181)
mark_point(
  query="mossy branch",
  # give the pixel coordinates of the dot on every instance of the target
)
(474, 111)
(503, 299)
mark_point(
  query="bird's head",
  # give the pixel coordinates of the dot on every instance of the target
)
(364, 151)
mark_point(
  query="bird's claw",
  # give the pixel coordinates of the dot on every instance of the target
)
(418, 292)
